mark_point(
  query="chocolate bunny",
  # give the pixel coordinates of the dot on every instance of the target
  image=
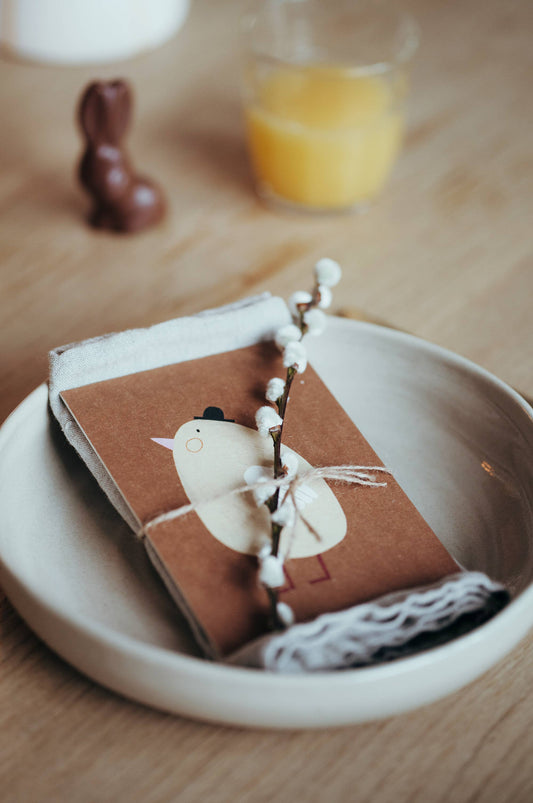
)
(123, 201)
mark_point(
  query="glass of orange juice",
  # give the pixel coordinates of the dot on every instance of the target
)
(325, 85)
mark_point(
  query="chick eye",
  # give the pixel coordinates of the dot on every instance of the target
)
(197, 430)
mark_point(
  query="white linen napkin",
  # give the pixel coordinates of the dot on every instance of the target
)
(211, 332)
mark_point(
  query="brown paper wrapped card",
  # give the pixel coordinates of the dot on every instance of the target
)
(185, 433)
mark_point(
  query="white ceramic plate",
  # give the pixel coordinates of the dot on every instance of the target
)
(460, 443)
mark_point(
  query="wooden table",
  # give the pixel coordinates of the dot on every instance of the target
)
(445, 253)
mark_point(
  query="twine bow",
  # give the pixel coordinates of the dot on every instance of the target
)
(353, 475)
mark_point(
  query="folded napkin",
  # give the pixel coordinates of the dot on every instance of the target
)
(210, 332)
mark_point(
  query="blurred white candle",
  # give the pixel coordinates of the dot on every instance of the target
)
(85, 31)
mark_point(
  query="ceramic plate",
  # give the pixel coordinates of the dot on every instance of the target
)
(459, 441)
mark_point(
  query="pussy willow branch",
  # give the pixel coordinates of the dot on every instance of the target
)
(281, 403)
(273, 502)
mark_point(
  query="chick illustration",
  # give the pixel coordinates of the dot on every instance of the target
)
(212, 455)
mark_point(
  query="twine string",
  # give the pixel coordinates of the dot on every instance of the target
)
(354, 475)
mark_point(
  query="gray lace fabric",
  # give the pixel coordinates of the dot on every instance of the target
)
(396, 625)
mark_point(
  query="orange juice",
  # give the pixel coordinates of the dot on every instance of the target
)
(323, 137)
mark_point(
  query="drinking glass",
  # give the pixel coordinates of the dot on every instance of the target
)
(324, 87)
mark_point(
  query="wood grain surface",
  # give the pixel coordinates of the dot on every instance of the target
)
(445, 253)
